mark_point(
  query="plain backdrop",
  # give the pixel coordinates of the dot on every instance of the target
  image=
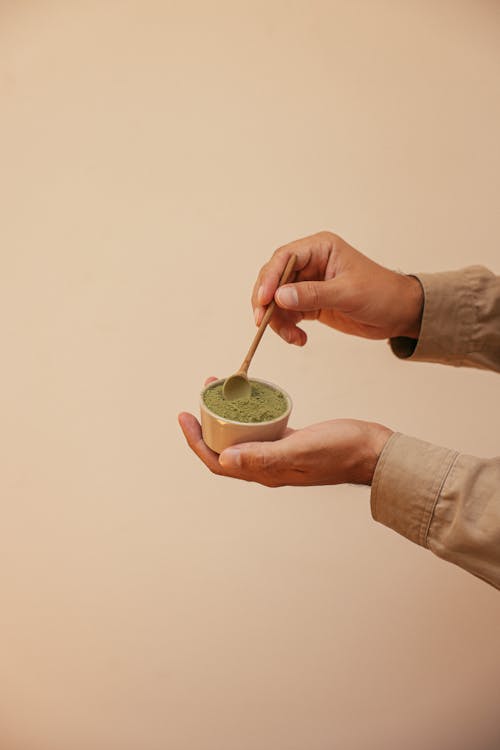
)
(152, 156)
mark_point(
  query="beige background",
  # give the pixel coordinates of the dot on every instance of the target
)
(152, 156)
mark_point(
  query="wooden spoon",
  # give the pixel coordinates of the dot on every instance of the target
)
(237, 385)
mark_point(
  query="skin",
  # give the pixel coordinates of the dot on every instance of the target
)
(332, 452)
(340, 287)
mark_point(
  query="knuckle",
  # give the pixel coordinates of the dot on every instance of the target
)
(260, 460)
(265, 466)
(330, 240)
(272, 483)
(312, 294)
(281, 253)
(253, 461)
(325, 234)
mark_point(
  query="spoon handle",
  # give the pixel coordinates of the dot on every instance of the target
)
(267, 315)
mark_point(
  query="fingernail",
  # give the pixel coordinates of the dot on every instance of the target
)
(260, 295)
(287, 296)
(230, 458)
(257, 315)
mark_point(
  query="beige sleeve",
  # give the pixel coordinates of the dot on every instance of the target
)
(460, 320)
(438, 498)
(442, 500)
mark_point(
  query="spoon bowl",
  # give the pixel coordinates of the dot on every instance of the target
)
(237, 386)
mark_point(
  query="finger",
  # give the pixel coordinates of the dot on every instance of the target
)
(313, 254)
(255, 462)
(192, 432)
(284, 323)
(293, 335)
(270, 274)
(211, 379)
(308, 295)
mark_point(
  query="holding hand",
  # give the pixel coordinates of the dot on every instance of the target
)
(339, 286)
(333, 452)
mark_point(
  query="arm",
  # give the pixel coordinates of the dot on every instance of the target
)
(340, 287)
(444, 501)
(451, 317)
(460, 322)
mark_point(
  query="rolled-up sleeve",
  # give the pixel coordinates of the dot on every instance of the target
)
(442, 500)
(460, 320)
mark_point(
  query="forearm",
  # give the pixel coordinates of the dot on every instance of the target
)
(442, 500)
(460, 323)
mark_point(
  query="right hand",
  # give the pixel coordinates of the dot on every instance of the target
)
(340, 287)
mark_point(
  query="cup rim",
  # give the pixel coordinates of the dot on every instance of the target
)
(285, 414)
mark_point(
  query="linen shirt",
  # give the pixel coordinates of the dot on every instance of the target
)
(439, 498)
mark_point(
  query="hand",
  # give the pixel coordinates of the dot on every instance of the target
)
(333, 452)
(340, 287)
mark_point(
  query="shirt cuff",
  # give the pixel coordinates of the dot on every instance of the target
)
(408, 479)
(449, 318)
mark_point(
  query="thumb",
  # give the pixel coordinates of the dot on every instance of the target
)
(250, 458)
(307, 295)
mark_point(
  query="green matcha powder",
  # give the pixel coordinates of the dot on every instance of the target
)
(265, 403)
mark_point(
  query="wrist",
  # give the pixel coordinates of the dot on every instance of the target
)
(412, 307)
(376, 436)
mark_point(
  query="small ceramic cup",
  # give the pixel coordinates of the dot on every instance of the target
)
(219, 433)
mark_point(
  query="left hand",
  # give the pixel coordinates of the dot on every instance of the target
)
(332, 452)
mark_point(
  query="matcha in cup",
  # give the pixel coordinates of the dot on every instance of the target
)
(262, 416)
